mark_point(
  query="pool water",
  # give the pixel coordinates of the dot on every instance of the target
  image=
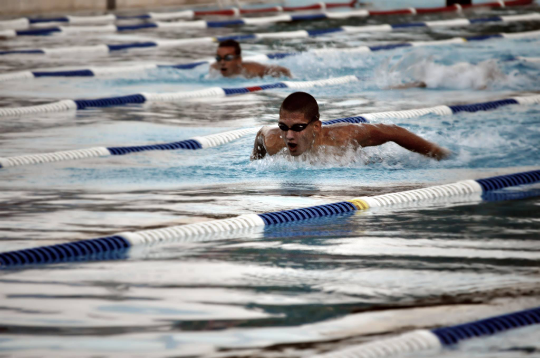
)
(288, 290)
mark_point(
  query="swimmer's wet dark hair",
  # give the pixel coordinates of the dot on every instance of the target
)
(231, 43)
(301, 102)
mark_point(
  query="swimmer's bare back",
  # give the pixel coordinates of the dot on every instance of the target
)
(254, 69)
(420, 84)
(270, 141)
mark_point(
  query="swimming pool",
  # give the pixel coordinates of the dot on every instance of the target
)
(287, 290)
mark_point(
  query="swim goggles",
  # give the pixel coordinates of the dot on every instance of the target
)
(226, 58)
(299, 127)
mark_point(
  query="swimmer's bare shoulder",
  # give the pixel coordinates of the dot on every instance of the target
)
(253, 69)
(214, 69)
(267, 141)
(340, 134)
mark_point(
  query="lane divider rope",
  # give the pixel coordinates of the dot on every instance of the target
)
(117, 245)
(119, 70)
(108, 48)
(139, 98)
(190, 144)
(226, 137)
(436, 339)
(259, 36)
(23, 23)
(66, 30)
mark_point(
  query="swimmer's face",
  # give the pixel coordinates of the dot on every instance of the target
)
(298, 142)
(229, 63)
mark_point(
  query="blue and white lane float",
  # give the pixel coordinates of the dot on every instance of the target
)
(436, 339)
(115, 71)
(139, 98)
(67, 30)
(108, 48)
(226, 137)
(23, 23)
(117, 246)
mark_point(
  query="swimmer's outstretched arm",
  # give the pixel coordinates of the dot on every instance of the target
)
(376, 134)
(259, 150)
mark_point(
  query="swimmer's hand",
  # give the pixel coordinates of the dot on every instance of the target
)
(277, 71)
(440, 153)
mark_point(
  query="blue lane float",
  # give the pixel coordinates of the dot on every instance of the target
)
(485, 106)
(115, 71)
(507, 181)
(222, 138)
(505, 195)
(117, 244)
(437, 339)
(185, 144)
(452, 335)
(104, 248)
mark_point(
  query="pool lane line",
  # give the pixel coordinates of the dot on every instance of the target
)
(117, 246)
(226, 137)
(108, 48)
(68, 105)
(139, 98)
(439, 338)
(201, 142)
(114, 71)
(67, 30)
(25, 22)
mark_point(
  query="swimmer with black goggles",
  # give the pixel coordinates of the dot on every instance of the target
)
(229, 64)
(298, 127)
(225, 58)
(296, 134)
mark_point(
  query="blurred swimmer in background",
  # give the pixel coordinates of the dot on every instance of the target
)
(229, 64)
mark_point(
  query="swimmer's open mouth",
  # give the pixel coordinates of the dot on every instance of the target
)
(292, 145)
(223, 69)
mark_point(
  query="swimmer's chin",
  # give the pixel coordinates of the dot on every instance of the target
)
(218, 73)
(213, 74)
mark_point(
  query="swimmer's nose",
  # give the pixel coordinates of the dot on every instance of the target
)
(290, 134)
